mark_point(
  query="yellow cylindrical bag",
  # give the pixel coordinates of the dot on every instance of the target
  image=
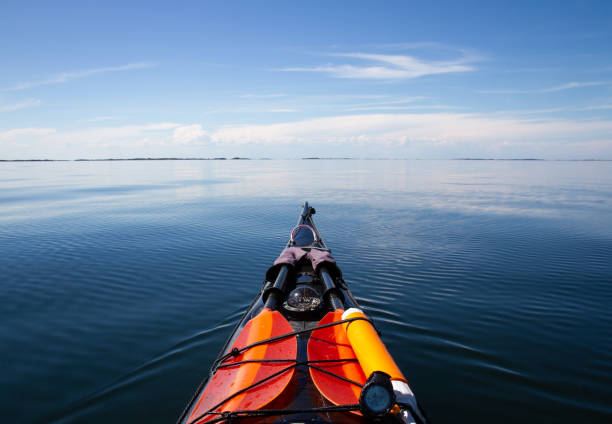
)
(369, 349)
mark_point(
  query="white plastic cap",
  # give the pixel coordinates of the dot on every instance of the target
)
(350, 311)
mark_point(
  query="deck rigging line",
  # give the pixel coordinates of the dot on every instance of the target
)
(235, 352)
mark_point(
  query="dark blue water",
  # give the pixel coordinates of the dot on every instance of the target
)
(491, 281)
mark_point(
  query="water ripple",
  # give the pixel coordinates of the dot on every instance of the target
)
(490, 282)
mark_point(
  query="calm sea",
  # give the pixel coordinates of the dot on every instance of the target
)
(490, 280)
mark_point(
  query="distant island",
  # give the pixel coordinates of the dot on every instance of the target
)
(112, 159)
(498, 159)
(538, 159)
(318, 158)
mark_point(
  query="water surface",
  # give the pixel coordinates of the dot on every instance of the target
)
(491, 281)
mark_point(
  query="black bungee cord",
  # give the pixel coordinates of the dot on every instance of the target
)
(235, 352)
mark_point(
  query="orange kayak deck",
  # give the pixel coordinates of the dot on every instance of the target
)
(238, 382)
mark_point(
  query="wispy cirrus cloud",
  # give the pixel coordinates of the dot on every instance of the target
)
(571, 85)
(518, 112)
(413, 45)
(68, 76)
(282, 110)
(554, 89)
(387, 104)
(20, 105)
(388, 67)
(99, 119)
(261, 95)
(399, 107)
(598, 107)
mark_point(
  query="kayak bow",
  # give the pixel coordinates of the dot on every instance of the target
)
(304, 351)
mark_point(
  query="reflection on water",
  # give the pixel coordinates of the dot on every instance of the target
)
(490, 281)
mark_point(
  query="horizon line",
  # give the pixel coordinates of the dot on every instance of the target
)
(303, 158)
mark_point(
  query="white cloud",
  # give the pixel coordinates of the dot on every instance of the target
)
(68, 76)
(89, 143)
(20, 105)
(422, 128)
(91, 136)
(443, 134)
(117, 135)
(388, 67)
(18, 133)
(188, 134)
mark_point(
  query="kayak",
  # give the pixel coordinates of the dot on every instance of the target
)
(304, 352)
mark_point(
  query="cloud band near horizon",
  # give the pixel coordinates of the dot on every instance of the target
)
(473, 132)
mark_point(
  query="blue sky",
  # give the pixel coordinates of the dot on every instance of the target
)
(279, 79)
